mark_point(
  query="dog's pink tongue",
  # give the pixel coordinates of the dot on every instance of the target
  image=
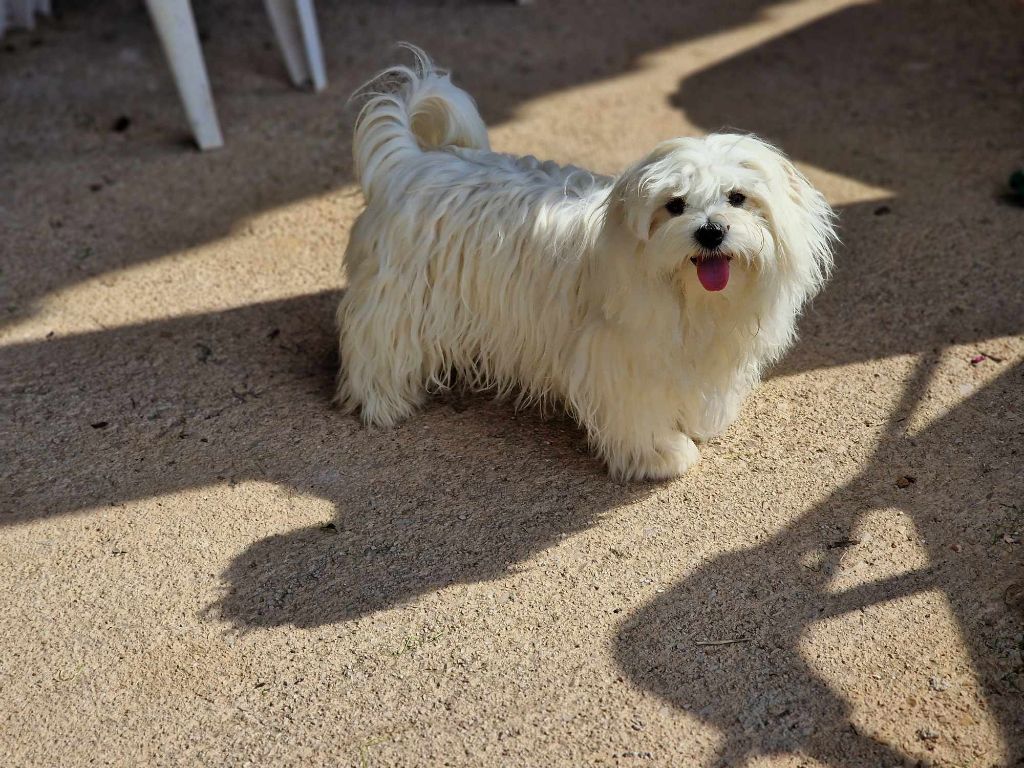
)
(713, 272)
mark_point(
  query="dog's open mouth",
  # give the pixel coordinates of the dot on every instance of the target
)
(712, 270)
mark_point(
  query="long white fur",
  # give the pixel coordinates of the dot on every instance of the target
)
(563, 286)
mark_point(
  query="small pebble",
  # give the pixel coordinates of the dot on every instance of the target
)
(938, 683)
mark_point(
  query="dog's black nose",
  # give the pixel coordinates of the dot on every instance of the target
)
(710, 235)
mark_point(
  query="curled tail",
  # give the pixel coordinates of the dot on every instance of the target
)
(411, 110)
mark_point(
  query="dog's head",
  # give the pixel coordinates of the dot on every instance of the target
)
(725, 212)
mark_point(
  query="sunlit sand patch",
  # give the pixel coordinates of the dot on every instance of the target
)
(693, 56)
(964, 371)
(903, 668)
(626, 99)
(784, 761)
(878, 399)
(289, 251)
(885, 544)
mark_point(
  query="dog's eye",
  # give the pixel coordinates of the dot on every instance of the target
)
(736, 199)
(676, 206)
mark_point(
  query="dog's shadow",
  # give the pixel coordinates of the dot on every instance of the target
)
(463, 492)
(422, 521)
(459, 493)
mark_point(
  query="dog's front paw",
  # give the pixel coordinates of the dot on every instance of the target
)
(672, 457)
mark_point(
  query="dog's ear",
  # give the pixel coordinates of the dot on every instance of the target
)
(801, 191)
(818, 232)
(802, 220)
(631, 205)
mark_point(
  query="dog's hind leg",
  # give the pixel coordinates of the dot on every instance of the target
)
(384, 366)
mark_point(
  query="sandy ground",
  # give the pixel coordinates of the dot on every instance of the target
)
(201, 563)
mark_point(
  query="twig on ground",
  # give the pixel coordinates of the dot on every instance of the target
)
(722, 642)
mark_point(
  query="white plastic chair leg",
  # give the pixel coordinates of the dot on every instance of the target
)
(23, 14)
(295, 27)
(311, 38)
(176, 28)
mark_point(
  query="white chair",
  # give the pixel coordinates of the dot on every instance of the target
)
(176, 28)
(21, 13)
(293, 22)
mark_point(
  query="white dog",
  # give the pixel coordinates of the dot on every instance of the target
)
(647, 304)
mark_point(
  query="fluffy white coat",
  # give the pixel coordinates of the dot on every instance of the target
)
(559, 285)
